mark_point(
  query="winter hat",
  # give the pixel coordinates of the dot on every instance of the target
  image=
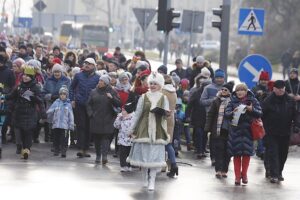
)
(163, 69)
(241, 86)
(219, 73)
(57, 60)
(64, 89)
(113, 75)
(186, 93)
(184, 82)
(129, 107)
(205, 72)
(157, 78)
(101, 72)
(106, 79)
(294, 70)
(114, 62)
(229, 86)
(58, 67)
(29, 71)
(200, 59)
(175, 78)
(279, 84)
(141, 63)
(35, 64)
(264, 76)
(75, 70)
(123, 76)
(19, 62)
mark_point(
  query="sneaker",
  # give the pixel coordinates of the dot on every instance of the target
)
(25, 153)
(63, 155)
(218, 175)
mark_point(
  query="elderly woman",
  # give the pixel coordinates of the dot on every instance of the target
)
(149, 131)
(100, 109)
(51, 88)
(241, 110)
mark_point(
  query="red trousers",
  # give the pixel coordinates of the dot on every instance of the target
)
(241, 164)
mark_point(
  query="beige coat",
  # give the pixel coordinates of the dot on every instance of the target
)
(170, 92)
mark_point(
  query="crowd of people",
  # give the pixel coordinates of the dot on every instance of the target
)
(80, 98)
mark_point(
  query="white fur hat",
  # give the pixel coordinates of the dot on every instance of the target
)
(205, 72)
(157, 78)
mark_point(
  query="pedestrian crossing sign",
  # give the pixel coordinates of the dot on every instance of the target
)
(251, 21)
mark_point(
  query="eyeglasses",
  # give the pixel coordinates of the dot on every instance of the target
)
(224, 89)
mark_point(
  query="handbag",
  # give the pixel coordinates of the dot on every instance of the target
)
(257, 129)
(295, 137)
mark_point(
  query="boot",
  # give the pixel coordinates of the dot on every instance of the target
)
(152, 175)
(173, 171)
(25, 153)
(145, 174)
(0, 153)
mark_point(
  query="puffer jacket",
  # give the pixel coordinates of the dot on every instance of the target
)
(240, 142)
(25, 111)
(60, 115)
(82, 86)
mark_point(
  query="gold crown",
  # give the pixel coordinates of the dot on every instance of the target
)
(28, 70)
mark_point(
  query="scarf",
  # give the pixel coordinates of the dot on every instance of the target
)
(224, 103)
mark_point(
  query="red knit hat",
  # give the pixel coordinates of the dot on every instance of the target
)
(264, 76)
(57, 61)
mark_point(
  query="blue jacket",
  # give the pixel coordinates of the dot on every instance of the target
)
(82, 86)
(53, 85)
(240, 142)
(60, 114)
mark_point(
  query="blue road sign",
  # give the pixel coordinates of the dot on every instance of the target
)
(251, 67)
(251, 21)
(25, 22)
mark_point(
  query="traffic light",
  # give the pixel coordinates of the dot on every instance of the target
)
(162, 14)
(217, 12)
(171, 16)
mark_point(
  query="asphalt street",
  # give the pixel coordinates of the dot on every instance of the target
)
(45, 176)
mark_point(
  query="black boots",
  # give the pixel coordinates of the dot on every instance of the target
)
(0, 153)
(173, 171)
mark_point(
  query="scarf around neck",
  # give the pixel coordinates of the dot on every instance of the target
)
(224, 103)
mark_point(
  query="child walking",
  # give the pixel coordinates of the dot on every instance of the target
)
(124, 123)
(60, 115)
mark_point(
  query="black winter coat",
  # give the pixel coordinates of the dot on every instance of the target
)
(212, 120)
(240, 142)
(25, 112)
(100, 110)
(195, 111)
(279, 113)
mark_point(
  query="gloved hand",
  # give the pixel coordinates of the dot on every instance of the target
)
(48, 97)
